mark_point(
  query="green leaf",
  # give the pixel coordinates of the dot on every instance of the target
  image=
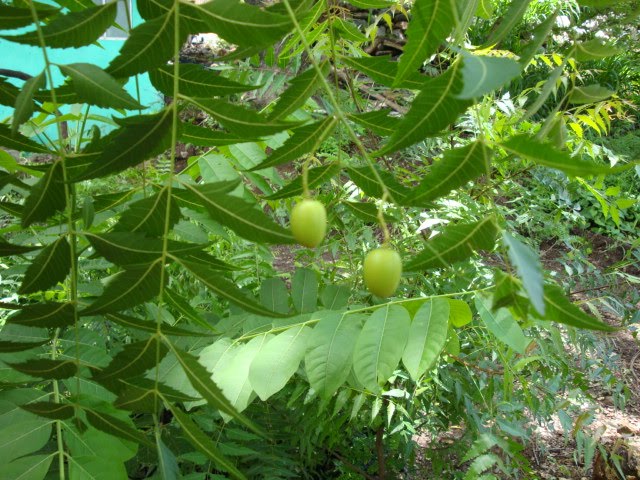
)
(141, 137)
(51, 265)
(384, 70)
(133, 360)
(335, 297)
(241, 216)
(46, 368)
(380, 345)
(55, 411)
(367, 212)
(431, 23)
(304, 290)
(559, 309)
(459, 313)
(427, 337)
(483, 74)
(277, 361)
(527, 263)
(46, 198)
(589, 94)
(33, 467)
(142, 394)
(113, 426)
(300, 89)
(539, 36)
(16, 17)
(72, 30)
(24, 106)
(378, 121)
(594, 50)
(548, 156)
(226, 289)
(96, 87)
(180, 304)
(167, 462)
(205, 137)
(457, 167)
(11, 347)
(274, 295)
(330, 352)
(517, 9)
(8, 92)
(305, 140)
(366, 181)
(50, 315)
(23, 438)
(8, 249)
(128, 288)
(315, 176)
(151, 327)
(17, 141)
(202, 442)
(93, 467)
(150, 45)
(455, 242)
(196, 81)
(436, 106)
(502, 325)
(239, 120)
(149, 215)
(370, 4)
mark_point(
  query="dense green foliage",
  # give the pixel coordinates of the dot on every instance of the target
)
(151, 328)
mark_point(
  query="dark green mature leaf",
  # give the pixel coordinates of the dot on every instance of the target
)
(205, 137)
(547, 155)
(242, 217)
(133, 360)
(127, 289)
(384, 70)
(46, 368)
(517, 9)
(482, 74)
(226, 289)
(16, 17)
(17, 141)
(559, 309)
(196, 81)
(204, 258)
(191, 196)
(24, 106)
(8, 92)
(239, 23)
(378, 121)
(151, 327)
(202, 442)
(436, 106)
(239, 120)
(149, 215)
(167, 461)
(179, 303)
(116, 427)
(73, 30)
(96, 87)
(457, 167)
(56, 411)
(305, 139)
(51, 265)
(330, 351)
(455, 243)
(367, 212)
(11, 208)
(430, 24)
(315, 176)
(50, 315)
(46, 198)
(366, 181)
(150, 9)
(300, 89)
(141, 137)
(7, 249)
(427, 337)
(502, 325)
(589, 94)
(10, 347)
(150, 45)
(12, 179)
(527, 263)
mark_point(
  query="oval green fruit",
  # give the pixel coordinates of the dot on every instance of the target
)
(309, 222)
(382, 271)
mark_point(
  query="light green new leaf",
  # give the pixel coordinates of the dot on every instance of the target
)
(384, 70)
(202, 442)
(46, 368)
(594, 50)
(378, 121)
(149, 215)
(50, 315)
(315, 176)
(517, 9)
(330, 352)
(305, 140)
(17, 17)
(277, 361)
(205, 137)
(335, 297)
(436, 106)
(456, 242)
(17, 141)
(274, 295)
(430, 24)
(133, 360)
(96, 87)
(502, 325)
(50, 266)
(304, 290)
(46, 198)
(196, 81)
(127, 289)
(33, 467)
(300, 89)
(559, 309)
(457, 167)
(547, 155)
(459, 313)
(24, 107)
(73, 30)
(94, 467)
(527, 263)
(589, 94)
(483, 74)
(380, 345)
(427, 337)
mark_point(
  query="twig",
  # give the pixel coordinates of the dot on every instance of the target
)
(476, 367)
(352, 467)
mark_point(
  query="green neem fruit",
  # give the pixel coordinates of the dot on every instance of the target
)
(309, 222)
(382, 271)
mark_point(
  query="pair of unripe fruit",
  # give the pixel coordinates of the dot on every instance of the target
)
(382, 266)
